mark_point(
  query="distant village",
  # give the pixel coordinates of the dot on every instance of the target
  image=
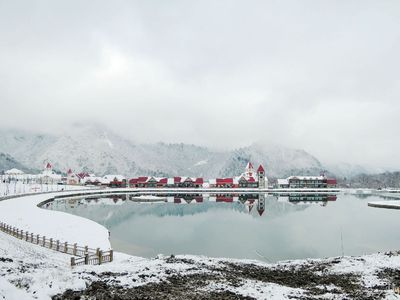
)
(250, 178)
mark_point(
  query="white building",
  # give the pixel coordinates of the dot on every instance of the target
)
(14, 172)
(48, 176)
(72, 178)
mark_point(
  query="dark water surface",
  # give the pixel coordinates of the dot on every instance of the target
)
(262, 227)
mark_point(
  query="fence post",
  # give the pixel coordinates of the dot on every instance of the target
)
(51, 243)
(100, 257)
(58, 245)
(26, 236)
(86, 259)
(44, 241)
(65, 247)
(74, 251)
(37, 239)
(111, 255)
(72, 261)
(21, 234)
(31, 237)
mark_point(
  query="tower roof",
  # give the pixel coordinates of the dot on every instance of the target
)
(249, 165)
(69, 171)
(48, 166)
(260, 169)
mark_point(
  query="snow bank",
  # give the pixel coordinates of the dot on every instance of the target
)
(394, 204)
(24, 214)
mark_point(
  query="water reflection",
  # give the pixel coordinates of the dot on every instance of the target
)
(284, 226)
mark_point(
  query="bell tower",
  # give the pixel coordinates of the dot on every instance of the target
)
(261, 177)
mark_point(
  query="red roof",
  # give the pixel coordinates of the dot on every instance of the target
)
(199, 181)
(133, 180)
(260, 169)
(331, 181)
(177, 179)
(224, 180)
(142, 179)
(48, 166)
(163, 180)
(83, 175)
(251, 179)
(249, 166)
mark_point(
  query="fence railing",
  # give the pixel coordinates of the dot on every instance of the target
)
(85, 255)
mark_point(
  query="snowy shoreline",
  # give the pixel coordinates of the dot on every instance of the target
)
(28, 271)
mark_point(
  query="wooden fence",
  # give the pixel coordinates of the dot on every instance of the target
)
(85, 255)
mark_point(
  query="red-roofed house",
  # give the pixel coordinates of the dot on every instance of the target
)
(138, 182)
(199, 182)
(331, 183)
(225, 183)
(162, 182)
(72, 178)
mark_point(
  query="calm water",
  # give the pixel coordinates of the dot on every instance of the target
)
(262, 227)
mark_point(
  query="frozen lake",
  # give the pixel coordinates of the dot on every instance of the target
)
(264, 227)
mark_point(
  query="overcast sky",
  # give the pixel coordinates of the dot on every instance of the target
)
(319, 75)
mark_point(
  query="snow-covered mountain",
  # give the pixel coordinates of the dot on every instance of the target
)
(96, 149)
(8, 162)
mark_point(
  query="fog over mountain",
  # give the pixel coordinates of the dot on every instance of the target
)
(94, 148)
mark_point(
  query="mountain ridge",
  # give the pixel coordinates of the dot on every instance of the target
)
(94, 148)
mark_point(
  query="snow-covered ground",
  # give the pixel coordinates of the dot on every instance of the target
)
(20, 187)
(29, 271)
(24, 214)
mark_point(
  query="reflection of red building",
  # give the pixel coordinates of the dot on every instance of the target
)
(331, 197)
(224, 198)
(260, 211)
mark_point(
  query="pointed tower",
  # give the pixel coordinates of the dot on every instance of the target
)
(261, 177)
(48, 170)
(249, 170)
